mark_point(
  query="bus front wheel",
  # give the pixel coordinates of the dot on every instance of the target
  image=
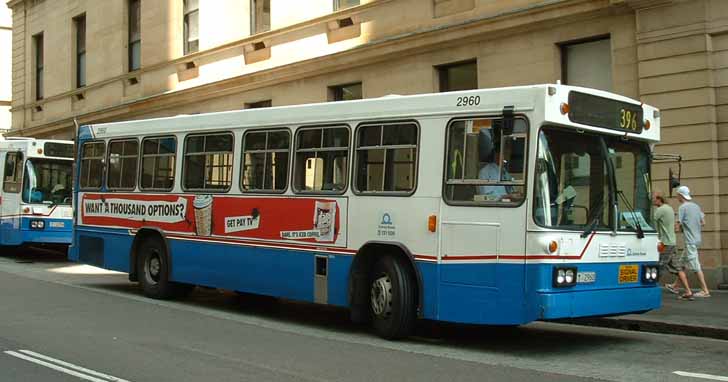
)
(153, 271)
(392, 298)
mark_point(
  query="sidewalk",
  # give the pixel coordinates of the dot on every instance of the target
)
(703, 317)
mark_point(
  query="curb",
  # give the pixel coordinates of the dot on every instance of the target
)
(660, 327)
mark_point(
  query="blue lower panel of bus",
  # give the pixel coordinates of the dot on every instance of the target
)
(55, 231)
(466, 297)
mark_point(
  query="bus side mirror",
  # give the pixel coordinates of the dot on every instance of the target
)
(674, 181)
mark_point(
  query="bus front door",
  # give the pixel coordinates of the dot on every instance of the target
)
(482, 264)
(10, 198)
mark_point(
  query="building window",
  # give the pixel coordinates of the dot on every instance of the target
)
(343, 4)
(459, 76)
(588, 63)
(208, 162)
(80, 26)
(386, 158)
(38, 44)
(265, 160)
(135, 35)
(322, 157)
(123, 158)
(345, 92)
(191, 26)
(260, 16)
(259, 104)
(486, 161)
(158, 163)
(92, 165)
(13, 175)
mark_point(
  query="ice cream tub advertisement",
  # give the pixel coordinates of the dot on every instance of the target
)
(282, 219)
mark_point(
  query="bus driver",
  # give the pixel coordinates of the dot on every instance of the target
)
(490, 153)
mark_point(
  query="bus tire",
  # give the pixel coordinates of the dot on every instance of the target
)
(393, 298)
(153, 271)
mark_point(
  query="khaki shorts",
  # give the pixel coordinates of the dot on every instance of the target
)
(690, 258)
(670, 261)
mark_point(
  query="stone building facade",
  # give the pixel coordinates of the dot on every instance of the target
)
(128, 59)
(6, 53)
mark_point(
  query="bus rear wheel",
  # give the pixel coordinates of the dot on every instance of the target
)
(153, 271)
(392, 298)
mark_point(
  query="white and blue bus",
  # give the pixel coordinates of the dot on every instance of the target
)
(36, 194)
(494, 206)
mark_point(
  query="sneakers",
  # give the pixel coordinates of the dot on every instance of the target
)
(701, 294)
(686, 297)
(671, 288)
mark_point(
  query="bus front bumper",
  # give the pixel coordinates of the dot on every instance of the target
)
(603, 302)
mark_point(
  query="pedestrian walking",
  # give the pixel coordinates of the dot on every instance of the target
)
(690, 221)
(664, 218)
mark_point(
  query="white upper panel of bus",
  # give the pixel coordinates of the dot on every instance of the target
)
(524, 99)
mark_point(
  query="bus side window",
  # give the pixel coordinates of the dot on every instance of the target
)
(486, 161)
(123, 159)
(158, 163)
(92, 165)
(208, 162)
(386, 158)
(265, 160)
(12, 177)
(321, 160)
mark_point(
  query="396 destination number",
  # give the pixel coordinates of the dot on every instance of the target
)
(468, 101)
(628, 119)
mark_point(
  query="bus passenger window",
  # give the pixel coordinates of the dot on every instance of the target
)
(208, 162)
(13, 172)
(123, 157)
(92, 165)
(486, 161)
(265, 161)
(321, 159)
(158, 163)
(386, 158)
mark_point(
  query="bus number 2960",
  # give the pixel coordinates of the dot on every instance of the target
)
(468, 101)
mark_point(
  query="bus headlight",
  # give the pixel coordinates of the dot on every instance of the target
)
(37, 224)
(650, 273)
(564, 277)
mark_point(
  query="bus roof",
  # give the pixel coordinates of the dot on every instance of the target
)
(34, 148)
(492, 101)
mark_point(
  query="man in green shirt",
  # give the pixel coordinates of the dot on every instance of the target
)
(665, 224)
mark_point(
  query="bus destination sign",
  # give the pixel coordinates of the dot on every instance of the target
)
(592, 110)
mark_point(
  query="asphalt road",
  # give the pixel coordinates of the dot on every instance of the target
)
(66, 322)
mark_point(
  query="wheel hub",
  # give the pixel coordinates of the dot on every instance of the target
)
(154, 266)
(381, 296)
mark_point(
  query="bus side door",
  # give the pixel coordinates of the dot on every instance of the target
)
(12, 177)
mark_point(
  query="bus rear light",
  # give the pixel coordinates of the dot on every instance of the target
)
(565, 108)
(660, 247)
(26, 210)
(40, 151)
(432, 223)
(564, 277)
(647, 124)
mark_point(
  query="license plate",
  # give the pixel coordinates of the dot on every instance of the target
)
(628, 273)
(586, 277)
(57, 225)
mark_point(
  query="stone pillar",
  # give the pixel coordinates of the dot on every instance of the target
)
(678, 51)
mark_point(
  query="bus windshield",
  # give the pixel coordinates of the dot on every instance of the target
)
(572, 184)
(47, 181)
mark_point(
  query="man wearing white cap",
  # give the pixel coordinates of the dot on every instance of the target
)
(690, 221)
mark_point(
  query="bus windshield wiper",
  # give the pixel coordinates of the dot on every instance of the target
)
(593, 223)
(637, 226)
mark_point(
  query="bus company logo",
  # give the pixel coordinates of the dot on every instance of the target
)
(386, 226)
(631, 252)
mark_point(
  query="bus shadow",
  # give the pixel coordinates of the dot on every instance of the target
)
(532, 339)
(35, 254)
